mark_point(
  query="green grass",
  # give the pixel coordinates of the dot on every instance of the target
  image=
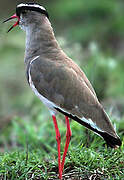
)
(81, 162)
(30, 151)
(28, 147)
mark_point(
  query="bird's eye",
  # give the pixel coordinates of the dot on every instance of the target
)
(24, 12)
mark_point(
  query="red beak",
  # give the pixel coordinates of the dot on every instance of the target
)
(13, 17)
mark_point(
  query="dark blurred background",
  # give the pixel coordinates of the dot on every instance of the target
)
(90, 32)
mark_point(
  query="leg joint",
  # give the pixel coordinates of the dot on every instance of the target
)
(58, 137)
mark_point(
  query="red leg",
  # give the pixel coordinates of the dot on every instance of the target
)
(68, 137)
(58, 139)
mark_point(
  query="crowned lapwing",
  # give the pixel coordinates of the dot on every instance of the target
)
(58, 82)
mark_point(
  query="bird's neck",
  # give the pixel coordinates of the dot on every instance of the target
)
(40, 41)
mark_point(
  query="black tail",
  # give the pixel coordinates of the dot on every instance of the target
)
(110, 140)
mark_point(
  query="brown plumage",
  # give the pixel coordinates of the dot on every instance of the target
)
(62, 82)
(72, 96)
(58, 81)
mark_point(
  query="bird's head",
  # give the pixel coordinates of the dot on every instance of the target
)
(27, 14)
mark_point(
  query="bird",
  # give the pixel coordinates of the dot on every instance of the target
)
(58, 81)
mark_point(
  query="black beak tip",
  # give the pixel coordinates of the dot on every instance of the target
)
(10, 18)
(6, 20)
(10, 29)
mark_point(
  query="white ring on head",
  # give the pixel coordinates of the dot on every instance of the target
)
(31, 5)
